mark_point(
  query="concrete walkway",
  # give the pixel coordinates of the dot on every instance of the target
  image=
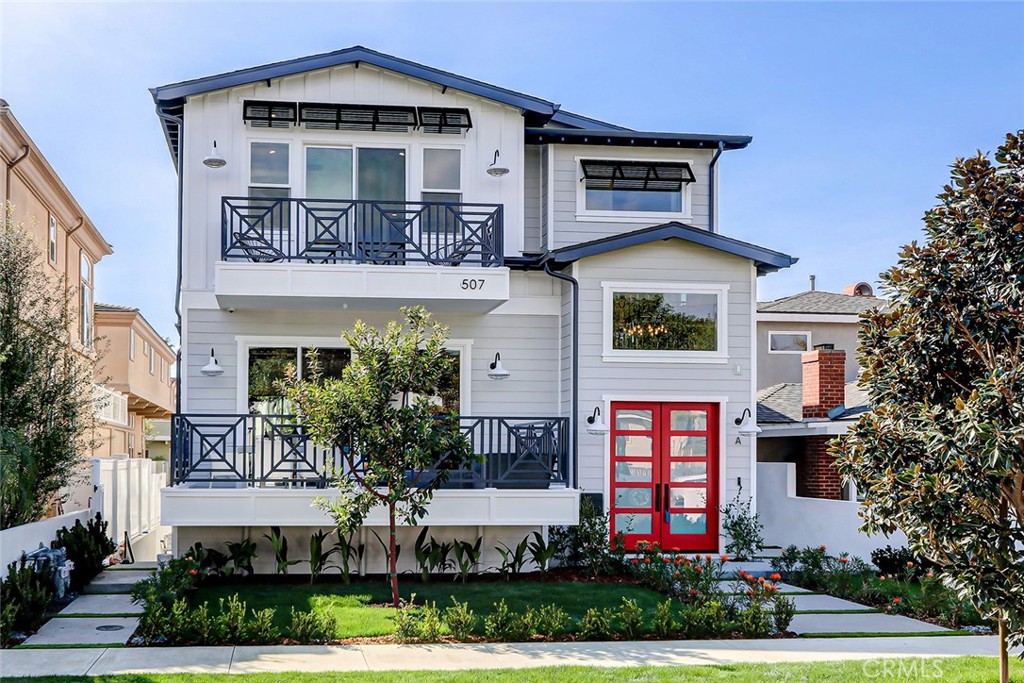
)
(313, 658)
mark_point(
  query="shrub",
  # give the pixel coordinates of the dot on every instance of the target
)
(706, 620)
(664, 624)
(890, 560)
(407, 621)
(504, 625)
(204, 627)
(552, 622)
(755, 621)
(460, 619)
(234, 619)
(87, 546)
(783, 611)
(430, 623)
(432, 555)
(844, 575)
(631, 616)
(805, 567)
(261, 629)
(697, 580)
(585, 545)
(743, 528)
(596, 624)
(313, 626)
(30, 592)
(8, 613)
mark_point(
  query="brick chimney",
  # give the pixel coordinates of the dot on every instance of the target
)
(824, 380)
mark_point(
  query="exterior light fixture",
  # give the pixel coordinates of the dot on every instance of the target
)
(596, 425)
(494, 169)
(215, 159)
(497, 371)
(212, 369)
(746, 424)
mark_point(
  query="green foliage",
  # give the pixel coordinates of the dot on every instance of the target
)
(467, 557)
(941, 456)
(756, 621)
(504, 625)
(783, 612)
(743, 527)
(261, 629)
(460, 619)
(313, 627)
(46, 384)
(585, 545)
(432, 555)
(596, 624)
(552, 622)
(431, 623)
(319, 558)
(87, 546)
(351, 555)
(158, 594)
(241, 554)
(664, 624)
(29, 593)
(280, 543)
(400, 451)
(512, 559)
(8, 615)
(541, 551)
(631, 616)
(805, 567)
(706, 620)
(407, 621)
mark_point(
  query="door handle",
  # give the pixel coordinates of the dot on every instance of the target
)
(666, 504)
(657, 499)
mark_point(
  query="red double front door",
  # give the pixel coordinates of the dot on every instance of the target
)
(664, 474)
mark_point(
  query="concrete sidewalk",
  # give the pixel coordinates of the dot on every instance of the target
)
(313, 658)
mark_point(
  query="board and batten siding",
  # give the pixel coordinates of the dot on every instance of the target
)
(671, 261)
(570, 229)
(218, 116)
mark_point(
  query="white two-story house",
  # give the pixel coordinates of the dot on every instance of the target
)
(604, 328)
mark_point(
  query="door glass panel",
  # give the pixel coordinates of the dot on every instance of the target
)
(267, 368)
(329, 173)
(633, 497)
(688, 523)
(689, 420)
(630, 523)
(268, 163)
(634, 471)
(634, 445)
(684, 471)
(634, 420)
(688, 498)
(696, 446)
(382, 174)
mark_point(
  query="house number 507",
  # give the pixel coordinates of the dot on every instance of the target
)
(472, 283)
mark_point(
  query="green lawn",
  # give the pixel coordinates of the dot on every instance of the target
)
(356, 618)
(955, 670)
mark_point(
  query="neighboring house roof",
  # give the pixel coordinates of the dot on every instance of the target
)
(819, 302)
(767, 260)
(115, 307)
(783, 403)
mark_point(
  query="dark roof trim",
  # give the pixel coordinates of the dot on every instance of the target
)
(767, 260)
(568, 118)
(629, 138)
(177, 92)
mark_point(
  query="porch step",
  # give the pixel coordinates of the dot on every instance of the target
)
(116, 581)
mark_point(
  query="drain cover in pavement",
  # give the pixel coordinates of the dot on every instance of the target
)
(110, 627)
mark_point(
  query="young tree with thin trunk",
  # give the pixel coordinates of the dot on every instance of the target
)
(395, 447)
(46, 381)
(941, 454)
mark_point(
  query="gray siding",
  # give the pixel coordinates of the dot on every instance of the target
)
(531, 195)
(545, 219)
(774, 368)
(572, 230)
(672, 261)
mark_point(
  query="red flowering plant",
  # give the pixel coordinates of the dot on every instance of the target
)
(699, 578)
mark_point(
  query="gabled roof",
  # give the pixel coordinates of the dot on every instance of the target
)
(767, 260)
(815, 301)
(783, 403)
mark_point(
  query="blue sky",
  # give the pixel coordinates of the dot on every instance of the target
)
(856, 109)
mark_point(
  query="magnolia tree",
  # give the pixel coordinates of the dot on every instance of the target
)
(46, 403)
(941, 454)
(395, 447)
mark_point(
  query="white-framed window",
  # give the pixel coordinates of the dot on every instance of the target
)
(270, 176)
(131, 343)
(263, 361)
(163, 369)
(152, 360)
(628, 189)
(786, 341)
(51, 251)
(442, 183)
(665, 322)
(86, 301)
(374, 172)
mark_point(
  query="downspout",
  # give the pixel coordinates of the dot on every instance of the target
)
(574, 412)
(711, 186)
(177, 283)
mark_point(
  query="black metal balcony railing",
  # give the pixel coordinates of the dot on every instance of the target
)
(235, 451)
(362, 232)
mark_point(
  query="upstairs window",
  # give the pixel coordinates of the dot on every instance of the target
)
(86, 303)
(789, 342)
(131, 343)
(634, 188)
(52, 240)
(442, 183)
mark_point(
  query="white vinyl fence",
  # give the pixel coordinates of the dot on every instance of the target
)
(792, 520)
(127, 494)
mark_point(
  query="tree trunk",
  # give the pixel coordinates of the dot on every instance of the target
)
(393, 555)
(1004, 657)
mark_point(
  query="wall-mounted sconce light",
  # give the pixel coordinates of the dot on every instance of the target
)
(494, 169)
(215, 159)
(498, 371)
(596, 425)
(746, 424)
(212, 369)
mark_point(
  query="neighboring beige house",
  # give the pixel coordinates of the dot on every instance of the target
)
(135, 362)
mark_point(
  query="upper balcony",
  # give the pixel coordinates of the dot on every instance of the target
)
(310, 253)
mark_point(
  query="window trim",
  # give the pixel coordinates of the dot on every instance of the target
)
(248, 163)
(131, 343)
(246, 342)
(611, 355)
(51, 240)
(423, 167)
(152, 360)
(806, 333)
(603, 216)
(86, 300)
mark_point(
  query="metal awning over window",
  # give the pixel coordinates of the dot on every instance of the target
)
(366, 117)
(261, 114)
(643, 176)
(444, 120)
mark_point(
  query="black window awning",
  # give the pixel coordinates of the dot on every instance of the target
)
(643, 176)
(263, 114)
(365, 117)
(444, 120)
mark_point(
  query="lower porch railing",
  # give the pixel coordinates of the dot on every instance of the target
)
(237, 451)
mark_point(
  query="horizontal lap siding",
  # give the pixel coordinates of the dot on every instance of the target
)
(532, 198)
(671, 261)
(572, 230)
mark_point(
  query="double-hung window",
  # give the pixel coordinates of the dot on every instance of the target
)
(442, 185)
(86, 302)
(270, 180)
(51, 251)
(665, 322)
(633, 189)
(131, 343)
